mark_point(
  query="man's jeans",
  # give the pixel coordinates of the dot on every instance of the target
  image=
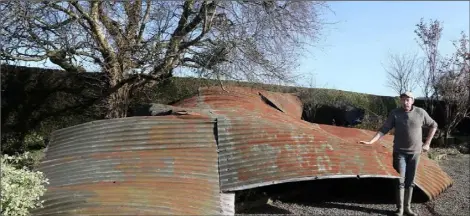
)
(406, 165)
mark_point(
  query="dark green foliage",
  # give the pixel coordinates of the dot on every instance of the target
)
(41, 101)
(376, 107)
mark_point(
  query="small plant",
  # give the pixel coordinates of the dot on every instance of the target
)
(433, 155)
(34, 139)
(21, 188)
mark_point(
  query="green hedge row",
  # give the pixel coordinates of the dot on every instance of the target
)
(30, 93)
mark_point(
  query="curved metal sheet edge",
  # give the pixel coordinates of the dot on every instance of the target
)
(256, 138)
(164, 165)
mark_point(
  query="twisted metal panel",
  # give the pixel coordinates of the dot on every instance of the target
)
(263, 141)
(163, 165)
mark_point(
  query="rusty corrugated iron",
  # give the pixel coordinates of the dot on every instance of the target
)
(164, 165)
(287, 103)
(260, 144)
(170, 165)
(262, 151)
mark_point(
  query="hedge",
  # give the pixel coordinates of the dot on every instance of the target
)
(29, 94)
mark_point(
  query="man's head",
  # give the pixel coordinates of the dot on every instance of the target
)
(407, 100)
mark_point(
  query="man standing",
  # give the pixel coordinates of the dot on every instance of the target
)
(407, 145)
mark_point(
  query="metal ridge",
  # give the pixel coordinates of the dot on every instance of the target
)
(260, 144)
(130, 166)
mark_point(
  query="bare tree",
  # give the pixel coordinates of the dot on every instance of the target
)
(424, 81)
(429, 35)
(137, 43)
(453, 85)
(402, 72)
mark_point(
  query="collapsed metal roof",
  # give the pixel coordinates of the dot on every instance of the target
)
(163, 165)
(265, 142)
(229, 140)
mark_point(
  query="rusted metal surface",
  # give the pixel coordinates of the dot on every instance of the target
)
(164, 165)
(261, 145)
(287, 103)
(219, 141)
(262, 151)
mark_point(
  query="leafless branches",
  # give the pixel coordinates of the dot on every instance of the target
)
(453, 84)
(445, 81)
(402, 72)
(429, 35)
(142, 41)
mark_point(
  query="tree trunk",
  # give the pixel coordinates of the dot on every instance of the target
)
(118, 103)
(448, 125)
(447, 137)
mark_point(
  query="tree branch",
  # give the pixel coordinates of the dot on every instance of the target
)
(6, 56)
(111, 25)
(172, 51)
(70, 13)
(92, 19)
(60, 58)
(144, 21)
(202, 16)
(133, 12)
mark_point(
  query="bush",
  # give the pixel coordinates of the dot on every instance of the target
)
(43, 114)
(17, 143)
(21, 188)
(376, 108)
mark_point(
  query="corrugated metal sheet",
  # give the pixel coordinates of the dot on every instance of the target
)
(171, 164)
(288, 103)
(164, 165)
(260, 145)
(261, 151)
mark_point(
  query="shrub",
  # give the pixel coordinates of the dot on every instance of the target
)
(18, 143)
(21, 188)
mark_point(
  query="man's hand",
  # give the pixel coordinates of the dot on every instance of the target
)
(377, 136)
(427, 143)
(426, 147)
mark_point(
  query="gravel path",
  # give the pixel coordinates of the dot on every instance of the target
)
(454, 201)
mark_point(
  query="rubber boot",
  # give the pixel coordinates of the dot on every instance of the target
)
(408, 196)
(400, 196)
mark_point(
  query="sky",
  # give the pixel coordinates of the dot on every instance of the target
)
(352, 52)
